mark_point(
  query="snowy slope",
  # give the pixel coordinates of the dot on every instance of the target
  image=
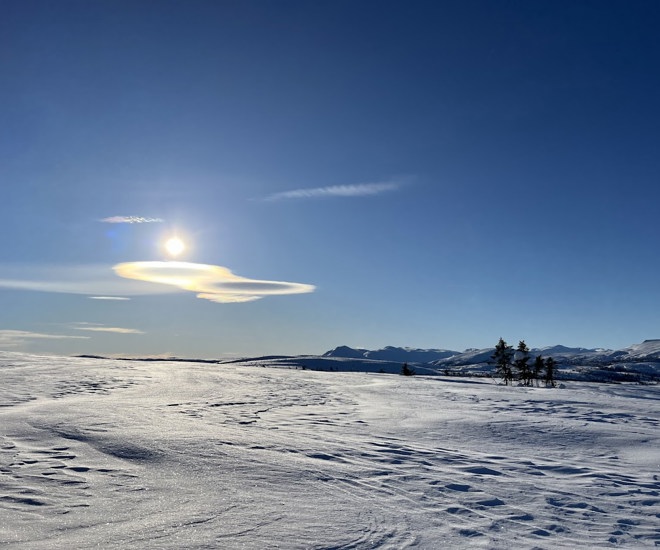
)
(647, 349)
(392, 353)
(118, 454)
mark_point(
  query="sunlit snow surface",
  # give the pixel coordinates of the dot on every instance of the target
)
(118, 454)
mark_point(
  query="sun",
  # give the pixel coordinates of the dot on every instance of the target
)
(174, 246)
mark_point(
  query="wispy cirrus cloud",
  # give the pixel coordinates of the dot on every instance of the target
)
(13, 338)
(95, 280)
(351, 190)
(130, 219)
(95, 327)
(109, 298)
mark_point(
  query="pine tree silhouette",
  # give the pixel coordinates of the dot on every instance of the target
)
(539, 364)
(550, 368)
(521, 364)
(502, 357)
(406, 370)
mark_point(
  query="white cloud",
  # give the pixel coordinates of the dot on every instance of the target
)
(93, 327)
(94, 280)
(99, 282)
(131, 219)
(210, 282)
(13, 338)
(354, 190)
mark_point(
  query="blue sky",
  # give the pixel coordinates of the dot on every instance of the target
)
(368, 173)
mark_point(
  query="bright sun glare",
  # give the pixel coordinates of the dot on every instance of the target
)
(174, 246)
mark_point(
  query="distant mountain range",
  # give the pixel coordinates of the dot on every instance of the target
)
(639, 362)
(390, 353)
(636, 363)
(648, 350)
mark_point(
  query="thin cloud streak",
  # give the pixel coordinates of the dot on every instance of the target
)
(95, 280)
(101, 328)
(130, 219)
(13, 338)
(109, 298)
(355, 190)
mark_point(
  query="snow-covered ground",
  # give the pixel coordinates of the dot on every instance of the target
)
(117, 454)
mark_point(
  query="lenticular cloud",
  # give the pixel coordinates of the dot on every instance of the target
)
(210, 282)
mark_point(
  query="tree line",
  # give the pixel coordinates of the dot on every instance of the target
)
(515, 364)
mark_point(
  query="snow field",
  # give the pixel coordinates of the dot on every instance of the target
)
(119, 454)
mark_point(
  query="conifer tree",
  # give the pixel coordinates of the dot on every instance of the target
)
(521, 363)
(550, 367)
(502, 357)
(539, 364)
(406, 370)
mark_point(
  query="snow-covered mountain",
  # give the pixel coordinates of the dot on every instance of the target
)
(638, 361)
(391, 353)
(647, 350)
(346, 352)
